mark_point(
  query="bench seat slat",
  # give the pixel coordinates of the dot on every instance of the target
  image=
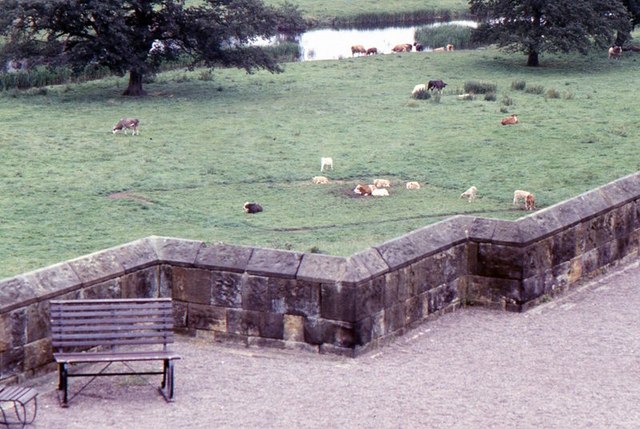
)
(81, 357)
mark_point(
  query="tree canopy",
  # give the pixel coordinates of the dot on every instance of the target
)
(135, 36)
(537, 26)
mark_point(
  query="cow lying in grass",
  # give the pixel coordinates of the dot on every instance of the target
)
(125, 124)
(252, 207)
(413, 185)
(320, 180)
(381, 183)
(510, 120)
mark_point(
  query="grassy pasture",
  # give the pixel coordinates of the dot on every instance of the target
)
(68, 186)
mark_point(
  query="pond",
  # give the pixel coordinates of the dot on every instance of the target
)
(333, 44)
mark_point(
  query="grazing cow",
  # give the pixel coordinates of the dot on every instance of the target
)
(440, 49)
(125, 124)
(252, 207)
(450, 47)
(326, 162)
(438, 85)
(364, 190)
(524, 195)
(510, 120)
(404, 47)
(372, 51)
(470, 194)
(320, 180)
(419, 47)
(380, 193)
(381, 183)
(615, 52)
(421, 87)
(413, 185)
(358, 49)
(530, 202)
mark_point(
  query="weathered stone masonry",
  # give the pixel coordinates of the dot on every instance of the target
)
(329, 304)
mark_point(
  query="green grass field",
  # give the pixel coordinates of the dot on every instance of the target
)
(68, 186)
(321, 9)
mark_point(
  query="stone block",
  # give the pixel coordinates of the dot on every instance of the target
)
(327, 332)
(500, 261)
(175, 251)
(255, 324)
(137, 255)
(441, 297)
(38, 321)
(413, 310)
(315, 267)
(192, 285)
(337, 302)
(266, 262)
(16, 292)
(180, 314)
(622, 190)
(294, 297)
(98, 267)
(224, 257)
(227, 289)
(37, 354)
(108, 289)
(400, 252)
(507, 232)
(141, 284)
(369, 298)
(363, 266)
(255, 293)
(394, 318)
(56, 280)
(206, 317)
(482, 229)
(390, 291)
(564, 246)
(293, 328)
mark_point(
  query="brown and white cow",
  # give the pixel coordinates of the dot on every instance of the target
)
(615, 52)
(438, 85)
(404, 47)
(125, 124)
(381, 183)
(450, 47)
(372, 51)
(413, 185)
(364, 190)
(527, 197)
(510, 120)
(358, 49)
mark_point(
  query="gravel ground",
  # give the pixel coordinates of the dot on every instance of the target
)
(569, 363)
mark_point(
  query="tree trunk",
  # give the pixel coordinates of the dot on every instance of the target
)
(532, 60)
(135, 84)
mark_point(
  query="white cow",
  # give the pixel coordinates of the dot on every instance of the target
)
(381, 183)
(320, 180)
(470, 194)
(326, 162)
(380, 192)
(413, 185)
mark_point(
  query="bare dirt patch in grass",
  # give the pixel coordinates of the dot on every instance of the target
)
(129, 196)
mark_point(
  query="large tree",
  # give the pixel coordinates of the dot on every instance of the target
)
(135, 36)
(537, 26)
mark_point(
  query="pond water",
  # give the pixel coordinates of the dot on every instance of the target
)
(332, 44)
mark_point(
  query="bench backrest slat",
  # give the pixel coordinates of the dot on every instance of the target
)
(90, 323)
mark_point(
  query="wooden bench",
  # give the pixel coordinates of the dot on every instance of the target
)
(112, 330)
(17, 397)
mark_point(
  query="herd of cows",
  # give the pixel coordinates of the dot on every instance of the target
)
(403, 47)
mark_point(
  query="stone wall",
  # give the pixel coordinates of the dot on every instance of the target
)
(328, 304)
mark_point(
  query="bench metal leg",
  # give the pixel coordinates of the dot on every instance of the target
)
(166, 387)
(63, 383)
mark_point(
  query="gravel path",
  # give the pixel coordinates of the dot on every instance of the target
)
(571, 363)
